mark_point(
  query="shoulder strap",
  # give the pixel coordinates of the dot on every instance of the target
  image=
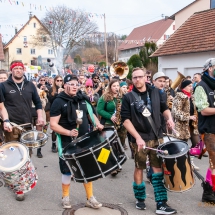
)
(136, 96)
(90, 111)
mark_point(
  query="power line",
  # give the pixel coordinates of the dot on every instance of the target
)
(137, 24)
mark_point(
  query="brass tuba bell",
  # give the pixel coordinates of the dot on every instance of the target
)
(119, 68)
(177, 81)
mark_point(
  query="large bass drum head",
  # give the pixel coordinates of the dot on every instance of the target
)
(89, 140)
(15, 156)
(175, 149)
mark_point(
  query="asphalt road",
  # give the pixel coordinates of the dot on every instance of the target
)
(45, 198)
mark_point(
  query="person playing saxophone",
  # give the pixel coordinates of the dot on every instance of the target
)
(109, 107)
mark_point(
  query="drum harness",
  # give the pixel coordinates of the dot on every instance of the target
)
(147, 114)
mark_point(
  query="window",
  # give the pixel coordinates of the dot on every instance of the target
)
(44, 39)
(50, 51)
(34, 25)
(18, 51)
(25, 39)
(33, 51)
(212, 4)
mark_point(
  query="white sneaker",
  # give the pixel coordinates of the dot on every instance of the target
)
(66, 203)
(93, 203)
(194, 166)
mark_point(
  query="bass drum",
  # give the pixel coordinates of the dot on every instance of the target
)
(94, 155)
(178, 175)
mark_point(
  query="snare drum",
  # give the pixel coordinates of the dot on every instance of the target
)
(94, 155)
(178, 175)
(16, 168)
(34, 139)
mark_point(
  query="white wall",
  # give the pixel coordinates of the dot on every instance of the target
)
(168, 32)
(187, 64)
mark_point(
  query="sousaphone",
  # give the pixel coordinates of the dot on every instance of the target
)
(120, 69)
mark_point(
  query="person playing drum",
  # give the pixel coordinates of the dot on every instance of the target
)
(134, 114)
(18, 95)
(69, 126)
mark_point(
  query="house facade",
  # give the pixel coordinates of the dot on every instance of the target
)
(189, 47)
(20, 47)
(1, 52)
(198, 5)
(157, 32)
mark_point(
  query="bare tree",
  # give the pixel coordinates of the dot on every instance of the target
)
(91, 55)
(62, 30)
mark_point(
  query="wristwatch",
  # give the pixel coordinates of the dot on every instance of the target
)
(6, 120)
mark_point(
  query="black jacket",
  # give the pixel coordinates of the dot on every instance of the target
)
(141, 124)
(19, 103)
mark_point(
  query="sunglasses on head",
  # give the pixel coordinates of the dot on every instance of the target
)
(59, 80)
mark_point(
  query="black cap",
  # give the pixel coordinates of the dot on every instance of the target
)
(70, 77)
(94, 75)
(185, 83)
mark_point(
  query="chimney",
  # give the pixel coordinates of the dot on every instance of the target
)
(30, 15)
(16, 30)
(166, 17)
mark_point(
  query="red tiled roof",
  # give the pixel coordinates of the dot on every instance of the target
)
(1, 49)
(197, 34)
(150, 32)
(69, 60)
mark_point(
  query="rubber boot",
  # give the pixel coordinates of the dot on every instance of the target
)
(39, 154)
(54, 148)
(208, 194)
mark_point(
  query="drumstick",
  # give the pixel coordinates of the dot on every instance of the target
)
(20, 125)
(158, 150)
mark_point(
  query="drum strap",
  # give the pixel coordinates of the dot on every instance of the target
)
(59, 143)
(90, 111)
(149, 118)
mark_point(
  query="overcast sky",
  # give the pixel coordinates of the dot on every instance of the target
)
(121, 15)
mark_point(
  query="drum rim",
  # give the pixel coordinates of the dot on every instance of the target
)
(19, 165)
(35, 141)
(87, 152)
(74, 142)
(172, 156)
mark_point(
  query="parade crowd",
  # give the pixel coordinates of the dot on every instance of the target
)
(142, 110)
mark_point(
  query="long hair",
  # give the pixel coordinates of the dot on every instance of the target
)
(108, 95)
(54, 87)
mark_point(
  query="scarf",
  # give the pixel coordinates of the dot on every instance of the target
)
(186, 93)
(71, 110)
(208, 80)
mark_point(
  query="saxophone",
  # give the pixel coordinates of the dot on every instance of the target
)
(169, 101)
(118, 110)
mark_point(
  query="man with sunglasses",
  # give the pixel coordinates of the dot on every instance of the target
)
(205, 102)
(19, 93)
(142, 102)
(65, 125)
(97, 85)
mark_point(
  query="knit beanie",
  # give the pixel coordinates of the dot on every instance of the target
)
(123, 84)
(89, 82)
(185, 83)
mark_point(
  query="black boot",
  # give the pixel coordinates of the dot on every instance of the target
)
(208, 194)
(54, 148)
(39, 154)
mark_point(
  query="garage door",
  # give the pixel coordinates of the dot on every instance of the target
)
(192, 71)
(171, 73)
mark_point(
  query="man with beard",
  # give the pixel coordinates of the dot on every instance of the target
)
(97, 85)
(205, 103)
(19, 93)
(142, 102)
(71, 100)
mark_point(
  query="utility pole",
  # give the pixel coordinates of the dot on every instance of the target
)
(105, 42)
